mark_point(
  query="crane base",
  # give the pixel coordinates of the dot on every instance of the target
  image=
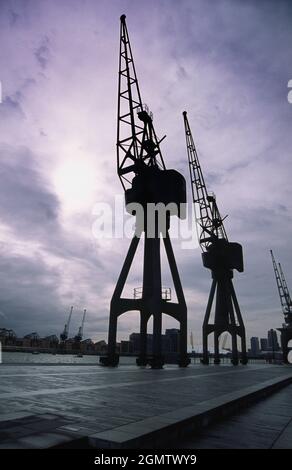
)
(150, 304)
(205, 361)
(156, 362)
(109, 361)
(235, 362)
(227, 317)
(142, 361)
(184, 361)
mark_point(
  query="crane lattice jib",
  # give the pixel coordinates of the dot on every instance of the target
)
(286, 291)
(82, 324)
(69, 319)
(279, 285)
(209, 220)
(65, 333)
(137, 143)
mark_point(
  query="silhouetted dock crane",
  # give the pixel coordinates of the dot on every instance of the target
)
(64, 335)
(145, 180)
(79, 335)
(221, 257)
(286, 304)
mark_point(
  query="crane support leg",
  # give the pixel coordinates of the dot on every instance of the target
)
(243, 350)
(205, 359)
(206, 331)
(184, 360)
(240, 328)
(216, 348)
(112, 358)
(157, 360)
(152, 294)
(234, 359)
(232, 319)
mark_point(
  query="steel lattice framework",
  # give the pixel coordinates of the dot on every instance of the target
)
(137, 143)
(209, 220)
(283, 290)
(146, 181)
(286, 304)
(221, 257)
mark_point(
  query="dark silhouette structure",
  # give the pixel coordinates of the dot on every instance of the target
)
(221, 257)
(79, 335)
(286, 304)
(64, 334)
(33, 338)
(145, 180)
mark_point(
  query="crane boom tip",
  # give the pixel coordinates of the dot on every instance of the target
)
(184, 113)
(123, 17)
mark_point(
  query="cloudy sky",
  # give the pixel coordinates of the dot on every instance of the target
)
(227, 63)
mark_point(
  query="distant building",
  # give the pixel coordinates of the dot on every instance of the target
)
(32, 340)
(264, 344)
(273, 344)
(134, 339)
(172, 340)
(50, 342)
(7, 337)
(126, 347)
(69, 344)
(254, 346)
(87, 346)
(100, 347)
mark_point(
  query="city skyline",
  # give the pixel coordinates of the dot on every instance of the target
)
(263, 342)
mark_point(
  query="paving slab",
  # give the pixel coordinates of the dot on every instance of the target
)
(57, 403)
(261, 426)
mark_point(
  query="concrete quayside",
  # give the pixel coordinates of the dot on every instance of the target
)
(75, 406)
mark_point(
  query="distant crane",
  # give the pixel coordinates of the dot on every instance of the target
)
(146, 181)
(64, 335)
(221, 257)
(79, 335)
(288, 308)
(286, 303)
(284, 295)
